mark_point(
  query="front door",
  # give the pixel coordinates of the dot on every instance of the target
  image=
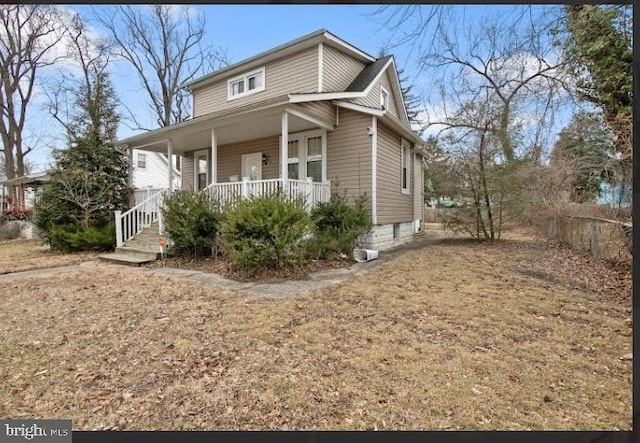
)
(252, 166)
(201, 169)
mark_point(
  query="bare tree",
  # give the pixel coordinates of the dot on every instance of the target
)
(514, 63)
(164, 44)
(28, 35)
(85, 91)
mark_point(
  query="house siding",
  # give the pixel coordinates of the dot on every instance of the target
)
(230, 157)
(372, 99)
(349, 154)
(392, 205)
(323, 110)
(338, 69)
(187, 171)
(155, 174)
(297, 73)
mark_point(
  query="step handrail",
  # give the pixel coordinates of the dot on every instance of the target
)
(142, 215)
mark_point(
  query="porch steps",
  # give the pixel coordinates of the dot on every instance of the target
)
(143, 248)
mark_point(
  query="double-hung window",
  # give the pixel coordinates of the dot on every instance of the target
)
(405, 161)
(384, 99)
(314, 158)
(142, 161)
(246, 84)
(293, 160)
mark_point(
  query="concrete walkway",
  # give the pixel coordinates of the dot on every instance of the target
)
(284, 289)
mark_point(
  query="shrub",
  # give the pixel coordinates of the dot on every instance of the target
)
(74, 238)
(191, 220)
(266, 231)
(9, 230)
(337, 225)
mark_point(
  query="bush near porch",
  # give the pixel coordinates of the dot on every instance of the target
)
(268, 232)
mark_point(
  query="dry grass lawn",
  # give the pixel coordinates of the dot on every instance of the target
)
(453, 336)
(25, 255)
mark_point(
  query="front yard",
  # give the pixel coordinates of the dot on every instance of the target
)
(26, 255)
(453, 336)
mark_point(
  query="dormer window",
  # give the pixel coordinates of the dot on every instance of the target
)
(384, 99)
(246, 84)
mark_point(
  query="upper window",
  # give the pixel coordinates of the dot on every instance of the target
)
(246, 84)
(406, 167)
(142, 161)
(384, 99)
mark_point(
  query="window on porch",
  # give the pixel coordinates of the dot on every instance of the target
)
(293, 160)
(314, 158)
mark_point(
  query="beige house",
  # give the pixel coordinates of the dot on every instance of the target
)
(310, 116)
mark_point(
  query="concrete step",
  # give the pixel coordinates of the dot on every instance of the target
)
(144, 253)
(126, 259)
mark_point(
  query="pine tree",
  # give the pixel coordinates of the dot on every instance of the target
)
(89, 180)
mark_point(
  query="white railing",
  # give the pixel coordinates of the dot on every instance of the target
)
(227, 193)
(142, 194)
(142, 215)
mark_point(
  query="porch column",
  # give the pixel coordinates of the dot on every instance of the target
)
(170, 159)
(284, 150)
(214, 156)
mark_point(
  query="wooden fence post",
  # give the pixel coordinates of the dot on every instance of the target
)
(593, 245)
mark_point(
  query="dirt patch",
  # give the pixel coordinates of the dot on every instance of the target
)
(25, 255)
(225, 269)
(452, 336)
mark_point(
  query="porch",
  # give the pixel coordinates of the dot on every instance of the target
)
(148, 211)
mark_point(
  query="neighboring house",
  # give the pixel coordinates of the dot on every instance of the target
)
(150, 170)
(308, 116)
(27, 189)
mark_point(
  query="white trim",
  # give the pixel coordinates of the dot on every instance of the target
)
(130, 172)
(398, 88)
(284, 149)
(359, 108)
(195, 167)
(320, 63)
(313, 96)
(384, 92)
(405, 144)
(170, 169)
(302, 138)
(245, 78)
(324, 156)
(309, 118)
(193, 105)
(277, 53)
(348, 46)
(374, 167)
(214, 157)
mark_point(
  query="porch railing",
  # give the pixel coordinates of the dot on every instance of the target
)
(142, 215)
(227, 193)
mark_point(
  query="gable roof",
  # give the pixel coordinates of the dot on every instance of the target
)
(368, 75)
(306, 41)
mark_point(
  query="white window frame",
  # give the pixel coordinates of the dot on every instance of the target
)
(302, 137)
(144, 161)
(245, 78)
(405, 161)
(384, 99)
(195, 168)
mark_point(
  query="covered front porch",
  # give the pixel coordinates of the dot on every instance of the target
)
(240, 154)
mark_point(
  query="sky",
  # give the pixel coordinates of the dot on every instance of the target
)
(245, 30)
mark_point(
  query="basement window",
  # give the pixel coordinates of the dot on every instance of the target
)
(396, 232)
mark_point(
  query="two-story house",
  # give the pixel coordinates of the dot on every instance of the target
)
(308, 116)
